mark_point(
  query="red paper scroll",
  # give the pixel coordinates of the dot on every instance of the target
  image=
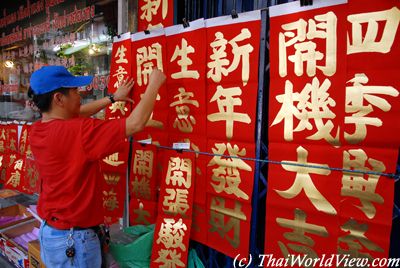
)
(143, 184)
(148, 52)
(307, 55)
(14, 163)
(121, 69)
(171, 239)
(352, 214)
(186, 79)
(232, 76)
(113, 169)
(186, 82)
(372, 90)
(155, 13)
(3, 152)
(232, 87)
(366, 205)
(298, 195)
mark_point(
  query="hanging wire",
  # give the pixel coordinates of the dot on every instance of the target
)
(353, 171)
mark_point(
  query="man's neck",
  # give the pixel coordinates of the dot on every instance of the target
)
(49, 116)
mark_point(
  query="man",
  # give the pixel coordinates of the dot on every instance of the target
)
(67, 146)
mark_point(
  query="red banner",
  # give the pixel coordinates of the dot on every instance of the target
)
(186, 79)
(232, 76)
(307, 83)
(171, 239)
(149, 51)
(340, 212)
(143, 184)
(113, 169)
(299, 194)
(155, 13)
(142, 212)
(121, 69)
(372, 90)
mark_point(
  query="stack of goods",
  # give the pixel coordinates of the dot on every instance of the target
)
(24, 239)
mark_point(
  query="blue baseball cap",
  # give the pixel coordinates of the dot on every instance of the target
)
(49, 78)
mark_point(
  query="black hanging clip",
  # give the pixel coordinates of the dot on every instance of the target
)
(234, 14)
(119, 36)
(146, 32)
(179, 151)
(185, 23)
(306, 3)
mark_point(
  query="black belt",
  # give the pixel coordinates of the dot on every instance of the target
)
(94, 228)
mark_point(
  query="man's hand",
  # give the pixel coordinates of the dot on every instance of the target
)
(123, 90)
(157, 78)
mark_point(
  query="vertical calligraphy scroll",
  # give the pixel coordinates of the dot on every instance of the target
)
(155, 13)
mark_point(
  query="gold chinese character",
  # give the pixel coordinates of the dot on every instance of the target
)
(312, 103)
(142, 215)
(355, 96)
(110, 201)
(120, 74)
(120, 55)
(2, 148)
(143, 163)
(355, 240)
(169, 259)
(218, 223)
(176, 202)
(184, 61)
(144, 60)
(13, 145)
(3, 134)
(304, 182)
(184, 120)
(179, 172)
(227, 175)
(368, 40)
(219, 64)
(354, 184)
(299, 228)
(15, 179)
(296, 34)
(150, 8)
(226, 103)
(18, 164)
(12, 159)
(113, 160)
(1, 161)
(118, 106)
(23, 141)
(141, 188)
(171, 234)
(111, 178)
(33, 176)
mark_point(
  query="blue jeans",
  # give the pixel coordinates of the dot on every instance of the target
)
(53, 244)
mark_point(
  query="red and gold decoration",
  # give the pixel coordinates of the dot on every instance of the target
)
(175, 206)
(148, 52)
(155, 13)
(328, 110)
(232, 89)
(121, 70)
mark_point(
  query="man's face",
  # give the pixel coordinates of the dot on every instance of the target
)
(73, 102)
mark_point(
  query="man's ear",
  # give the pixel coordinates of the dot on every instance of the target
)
(58, 99)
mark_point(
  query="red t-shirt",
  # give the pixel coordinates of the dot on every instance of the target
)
(67, 154)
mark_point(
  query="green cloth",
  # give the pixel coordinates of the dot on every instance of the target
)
(138, 253)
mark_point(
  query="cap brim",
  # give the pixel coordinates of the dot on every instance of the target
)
(78, 81)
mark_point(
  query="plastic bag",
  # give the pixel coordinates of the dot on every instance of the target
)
(137, 253)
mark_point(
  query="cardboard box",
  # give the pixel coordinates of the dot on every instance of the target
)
(11, 250)
(34, 255)
(16, 210)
